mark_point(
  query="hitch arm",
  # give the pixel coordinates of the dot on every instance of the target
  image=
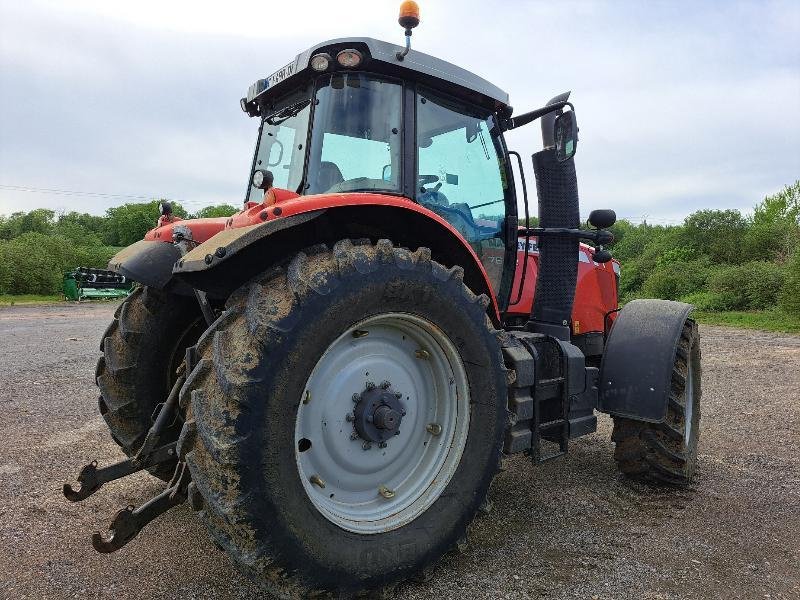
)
(129, 521)
(92, 479)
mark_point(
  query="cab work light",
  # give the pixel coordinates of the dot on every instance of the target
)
(320, 62)
(349, 58)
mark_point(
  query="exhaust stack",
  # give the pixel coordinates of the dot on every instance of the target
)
(557, 190)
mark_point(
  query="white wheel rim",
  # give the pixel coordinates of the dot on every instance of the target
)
(688, 396)
(383, 488)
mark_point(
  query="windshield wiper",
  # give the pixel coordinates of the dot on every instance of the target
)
(287, 112)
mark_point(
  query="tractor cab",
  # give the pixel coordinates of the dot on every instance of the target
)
(348, 116)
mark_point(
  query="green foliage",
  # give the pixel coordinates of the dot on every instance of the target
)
(718, 234)
(675, 279)
(128, 223)
(220, 210)
(751, 286)
(37, 247)
(789, 300)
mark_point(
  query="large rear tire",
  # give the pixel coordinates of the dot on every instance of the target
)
(283, 464)
(142, 349)
(666, 453)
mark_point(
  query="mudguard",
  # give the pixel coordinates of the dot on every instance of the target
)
(636, 369)
(147, 262)
(229, 242)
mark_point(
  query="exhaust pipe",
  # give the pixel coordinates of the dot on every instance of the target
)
(557, 190)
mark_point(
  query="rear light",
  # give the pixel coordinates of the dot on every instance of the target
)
(320, 62)
(349, 58)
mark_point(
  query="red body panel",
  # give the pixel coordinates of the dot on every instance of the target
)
(202, 229)
(596, 291)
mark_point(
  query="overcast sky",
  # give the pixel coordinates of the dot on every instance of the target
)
(682, 105)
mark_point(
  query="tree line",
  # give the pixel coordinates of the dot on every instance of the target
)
(719, 260)
(38, 246)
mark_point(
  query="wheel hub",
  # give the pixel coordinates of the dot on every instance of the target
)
(378, 413)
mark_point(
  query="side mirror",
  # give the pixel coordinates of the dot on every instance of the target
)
(566, 135)
(262, 179)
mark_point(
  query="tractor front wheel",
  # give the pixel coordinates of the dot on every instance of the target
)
(666, 453)
(345, 419)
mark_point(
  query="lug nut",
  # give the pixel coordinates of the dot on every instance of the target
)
(434, 428)
(385, 385)
(349, 417)
(366, 445)
(386, 492)
(382, 445)
(402, 412)
(356, 397)
(398, 395)
(354, 436)
(370, 385)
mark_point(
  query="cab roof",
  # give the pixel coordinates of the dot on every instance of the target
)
(381, 57)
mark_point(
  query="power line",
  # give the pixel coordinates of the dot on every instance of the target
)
(22, 188)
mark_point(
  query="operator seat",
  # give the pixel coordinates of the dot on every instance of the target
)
(328, 176)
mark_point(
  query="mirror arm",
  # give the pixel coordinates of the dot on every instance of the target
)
(599, 236)
(528, 117)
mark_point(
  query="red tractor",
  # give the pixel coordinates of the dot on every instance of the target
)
(332, 376)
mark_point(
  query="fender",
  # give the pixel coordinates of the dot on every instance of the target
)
(150, 261)
(636, 369)
(263, 234)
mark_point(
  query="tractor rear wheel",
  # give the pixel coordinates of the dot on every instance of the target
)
(345, 419)
(667, 452)
(142, 350)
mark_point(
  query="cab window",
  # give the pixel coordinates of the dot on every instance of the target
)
(460, 176)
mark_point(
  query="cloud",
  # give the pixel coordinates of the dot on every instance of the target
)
(681, 105)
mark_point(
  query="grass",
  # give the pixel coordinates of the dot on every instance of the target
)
(769, 320)
(11, 300)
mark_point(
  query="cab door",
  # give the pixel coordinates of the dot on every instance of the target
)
(462, 178)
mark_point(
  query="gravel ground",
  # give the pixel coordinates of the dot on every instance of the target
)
(571, 528)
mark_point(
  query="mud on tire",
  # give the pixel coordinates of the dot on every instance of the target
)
(243, 396)
(662, 453)
(142, 348)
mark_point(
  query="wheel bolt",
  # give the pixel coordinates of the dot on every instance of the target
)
(398, 395)
(385, 385)
(402, 412)
(422, 354)
(370, 385)
(382, 445)
(356, 397)
(397, 432)
(317, 480)
(354, 436)
(434, 428)
(366, 445)
(349, 417)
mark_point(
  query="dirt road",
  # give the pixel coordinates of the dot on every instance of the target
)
(569, 529)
